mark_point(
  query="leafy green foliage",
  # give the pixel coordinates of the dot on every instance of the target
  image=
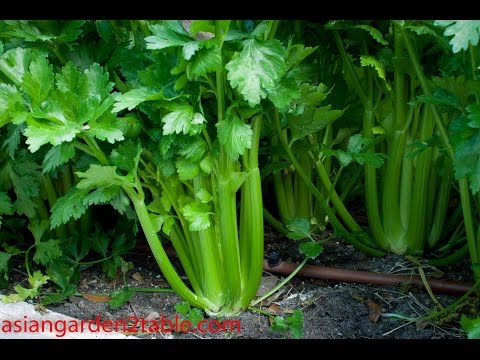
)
(197, 215)
(299, 228)
(466, 144)
(36, 280)
(292, 324)
(471, 327)
(235, 135)
(465, 32)
(311, 249)
(191, 314)
(357, 144)
(257, 69)
(120, 297)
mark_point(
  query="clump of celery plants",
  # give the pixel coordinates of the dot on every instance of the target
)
(407, 200)
(31, 183)
(199, 99)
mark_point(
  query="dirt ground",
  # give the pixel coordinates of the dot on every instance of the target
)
(331, 310)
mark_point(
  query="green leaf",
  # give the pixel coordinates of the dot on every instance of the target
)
(465, 32)
(446, 100)
(106, 130)
(4, 258)
(256, 70)
(57, 156)
(207, 164)
(6, 206)
(183, 120)
(68, 206)
(14, 64)
(36, 280)
(299, 228)
(38, 81)
(186, 169)
(131, 99)
(285, 92)
(120, 297)
(99, 176)
(368, 60)
(292, 323)
(375, 33)
(64, 274)
(234, 135)
(46, 251)
(194, 149)
(168, 34)
(471, 327)
(101, 195)
(312, 121)
(204, 62)
(203, 195)
(193, 315)
(466, 145)
(12, 140)
(127, 156)
(50, 132)
(311, 249)
(197, 215)
(11, 103)
(298, 53)
(189, 49)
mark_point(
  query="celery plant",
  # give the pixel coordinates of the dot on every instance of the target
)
(199, 89)
(407, 201)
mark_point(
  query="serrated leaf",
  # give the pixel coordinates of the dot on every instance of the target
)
(312, 121)
(68, 206)
(197, 215)
(167, 34)
(466, 145)
(284, 93)
(14, 64)
(471, 327)
(101, 195)
(63, 274)
(182, 121)
(106, 130)
(311, 249)
(203, 195)
(120, 297)
(206, 60)
(38, 81)
(299, 228)
(50, 132)
(207, 164)
(12, 140)
(57, 156)
(186, 169)
(46, 251)
(256, 70)
(296, 324)
(234, 135)
(99, 176)
(182, 308)
(126, 156)
(6, 206)
(368, 60)
(189, 49)
(465, 32)
(36, 280)
(131, 99)
(11, 101)
(375, 33)
(193, 149)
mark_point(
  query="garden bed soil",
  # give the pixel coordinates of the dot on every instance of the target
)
(331, 310)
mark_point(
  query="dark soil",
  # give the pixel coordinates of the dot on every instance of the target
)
(331, 310)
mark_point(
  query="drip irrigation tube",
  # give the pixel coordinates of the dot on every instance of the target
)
(365, 277)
